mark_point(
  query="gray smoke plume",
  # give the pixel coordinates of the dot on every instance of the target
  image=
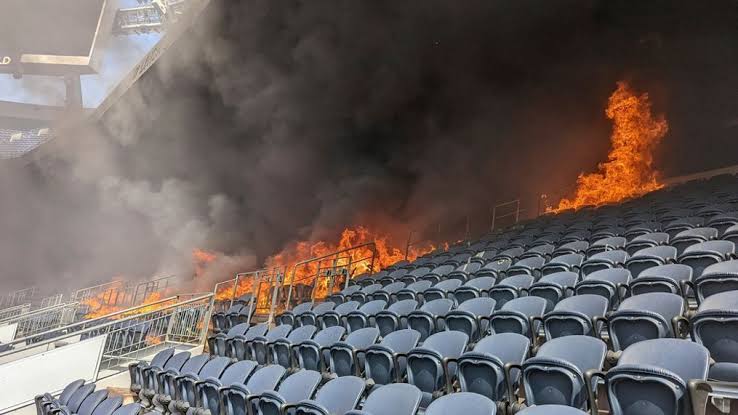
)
(276, 121)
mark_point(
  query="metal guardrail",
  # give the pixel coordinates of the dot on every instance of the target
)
(41, 320)
(121, 293)
(17, 297)
(514, 213)
(15, 311)
(132, 337)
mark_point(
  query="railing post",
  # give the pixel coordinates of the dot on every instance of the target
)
(255, 290)
(275, 295)
(235, 288)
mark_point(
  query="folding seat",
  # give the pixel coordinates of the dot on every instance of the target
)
(290, 316)
(561, 263)
(241, 316)
(239, 398)
(474, 288)
(510, 254)
(135, 371)
(551, 410)
(439, 273)
(430, 365)
(692, 236)
(486, 256)
(573, 247)
(646, 240)
(412, 291)
(280, 350)
(463, 272)
(643, 317)
(364, 316)
(470, 317)
(394, 317)
(542, 246)
(715, 326)
(167, 380)
(731, 234)
(675, 213)
(209, 390)
(217, 343)
(416, 274)
(425, 319)
(363, 295)
(459, 259)
(385, 363)
(388, 292)
(255, 348)
(606, 244)
(554, 287)
(510, 288)
(682, 224)
(522, 242)
(556, 375)
(184, 385)
(347, 356)
(495, 269)
(396, 399)
(88, 405)
(518, 316)
(312, 354)
(575, 316)
(310, 318)
(530, 266)
(295, 388)
(220, 319)
(130, 409)
(237, 346)
(462, 403)
(603, 260)
(702, 255)
(153, 383)
(650, 257)
(382, 278)
(610, 283)
(482, 370)
(607, 233)
(338, 396)
(365, 279)
(396, 274)
(45, 403)
(651, 377)
(723, 221)
(440, 290)
(669, 278)
(544, 251)
(716, 278)
(575, 236)
(640, 229)
(106, 407)
(336, 316)
(343, 295)
(75, 400)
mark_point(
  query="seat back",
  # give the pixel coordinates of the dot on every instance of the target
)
(265, 379)
(108, 406)
(424, 320)
(396, 399)
(362, 317)
(467, 318)
(425, 364)
(344, 359)
(482, 370)
(395, 317)
(514, 316)
(462, 403)
(75, 401)
(510, 288)
(643, 317)
(715, 326)
(379, 359)
(91, 402)
(474, 288)
(341, 395)
(573, 316)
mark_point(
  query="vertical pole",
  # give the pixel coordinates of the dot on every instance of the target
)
(467, 235)
(289, 291)
(235, 288)
(494, 217)
(348, 273)
(275, 294)
(407, 247)
(254, 293)
(517, 211)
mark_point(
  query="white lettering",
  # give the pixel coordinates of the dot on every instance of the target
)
(5, 60)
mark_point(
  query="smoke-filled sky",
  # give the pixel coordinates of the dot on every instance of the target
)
(273, 121)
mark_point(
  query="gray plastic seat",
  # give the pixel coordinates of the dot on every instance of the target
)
(702, 255)
(439, 273)
(217, 343)
(90, 403)
(494, 268)
(311, 354)
(413, 290)
(185, 385)
(603, 260)
(510, 288)
(237, 345)
(650, 257)
(395, 317)
(108, 406)
(311, 318)
(440, 290)
(516, 317)
(556, 375)
(669, 278)
(610, 283)
(426, 365)
(135, 371)
(169, 379)
(209, 389)
(238, 396)
(338, 396)
(336, 316)
(715, 326)
(723, 221)
(482, 370)
(415, 275)
(529, 266)
(395, 399)
(470, 317)
(551, 410)
(365, 293)
(425, 319)
(130, 409)
(153, 379)
(280, 350)
(643, 317)
(364, 316)
(572, 247)
(242, 316)
(716, 278)
(78, 397)
(544, 250)
(509, 255)
(288, 317)
(381, 361)
(573, 316)
(462, 403)
(554, 287)
(346, 357)
(611, 243)
(295, 388)
(343, 295)
(46, 402)
(220, 319)
(388, 292)
(561, 263)
(692, 236)
(673, 228)
(474, 288)
(646, 240)
(258, 349)
(651, 377)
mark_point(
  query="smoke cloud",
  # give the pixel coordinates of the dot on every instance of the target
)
(272, 121)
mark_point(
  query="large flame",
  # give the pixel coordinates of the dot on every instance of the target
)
(628, 171)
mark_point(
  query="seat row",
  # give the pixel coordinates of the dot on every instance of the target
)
(81, 398)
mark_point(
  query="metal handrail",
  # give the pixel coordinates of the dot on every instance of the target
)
(205, 296)
(9, 312)
(92, 321)
(38, 311)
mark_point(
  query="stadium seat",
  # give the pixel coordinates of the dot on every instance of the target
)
(474, 288)
(428, 366)
(209, 390)
(280, 350)
(364, 316)
(338, 396)
(562, 263)
(574, 316)
(257, 348)
(295, 388)
(610, 283)
(395, 317)
(518, 316)
(396, 399)
(336, 316)
(238, 398)
(603, 260)
(135, 371)
(387, 293)
(554, 287)
(462, 403)
(311, 318)
(471, 317)
(347, 356)
(702, 255)
(289, 316)
(184, 385)
(217, 343)
(715, 326)
(385, 362)
(424, 320)
(669, 278)
(510, 288)
(312, 354)
(646, 240)
(153, 381)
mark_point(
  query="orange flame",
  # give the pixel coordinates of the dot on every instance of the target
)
(102, 305)
(202, 258)
(628, 171)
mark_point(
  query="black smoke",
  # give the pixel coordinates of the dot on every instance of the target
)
(272, 121)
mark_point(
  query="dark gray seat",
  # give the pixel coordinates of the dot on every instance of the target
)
(154, 382)
(338, 396)
(366, 293)
(280, 350)
(258, 346)
(518, 316)
(561, 263)
(395, 399)
(428, 366)
(574, 316)
(692, 236)
(289, 316)
(529, 266)
(716, 278)
(643, 317)
(135, 370)
(311, 318)
(217, 342)
(554, 287)
(295, 388)
(425, 319)
(364, 316)
(237, 345)
(610, 283)
(413, 290)
(185, 387)
(45, 402)
(495, 268)
(715, 326)
(462, 403)
(673, 228)
(544, 250)
(650, 257)
(237, 397)
(347, 357)
(220, 319)
(571, 247)
(611, 243)
(703, 255)
(551, 410)
(474, 288)
(440, 272)
(395, 317)
(343, 295)
(510, 288)
(440, 290)
(482, 370)
(89, 404)
(74, 400)
(130, 409)
(385, 362)
(603, 260)
(208, 389)
(168, 379)
(336, 316)
(312, 354)
(388, 292)
(669, 278)
(471, 317)
(646, 240)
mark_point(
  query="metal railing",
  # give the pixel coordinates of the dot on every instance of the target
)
(123, 293)
(43, 319)
(17, 297)
(514, 213)
(13, 312)
(132, 337)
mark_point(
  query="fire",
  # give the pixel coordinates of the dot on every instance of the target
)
(628, 171)
(202, 258)
(101, 305)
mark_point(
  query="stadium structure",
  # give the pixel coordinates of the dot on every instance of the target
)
(626, 308)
